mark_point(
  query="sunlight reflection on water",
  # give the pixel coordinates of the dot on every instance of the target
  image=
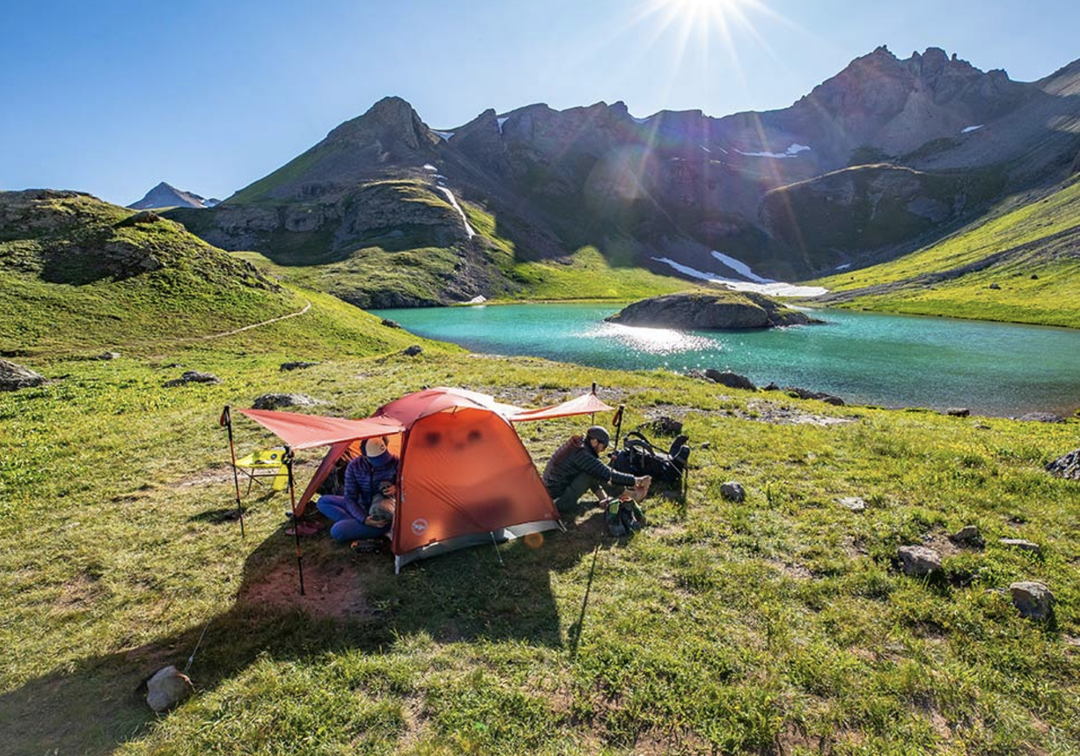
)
(662, 341)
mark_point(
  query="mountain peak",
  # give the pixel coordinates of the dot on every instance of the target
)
(167, 195)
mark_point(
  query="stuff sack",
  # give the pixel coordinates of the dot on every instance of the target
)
(639, 457)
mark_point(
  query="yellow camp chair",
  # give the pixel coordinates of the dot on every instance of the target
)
(265, 464)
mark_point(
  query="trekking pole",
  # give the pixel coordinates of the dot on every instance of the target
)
(295, 518)
(592, 417)
(617, 422)
(585, 604)
(226, 420)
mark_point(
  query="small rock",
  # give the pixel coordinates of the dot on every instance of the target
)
(732, 491)
(275, 401)
(14, 377)
(968, 535)
(413, 351)
(297, 365)
(192, 376)
(854, 503)
(167, 688)
(1019, 543)
(667, 425)
(1034, 276)
(1034, 600)
(109, 356)
(391, 323)
(772, 387)
(919, 561)
(821, 396)
(1067, 466)
(995, 286)
(958, 412)
(730, 379)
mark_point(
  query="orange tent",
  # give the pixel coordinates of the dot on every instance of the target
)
(464, 476)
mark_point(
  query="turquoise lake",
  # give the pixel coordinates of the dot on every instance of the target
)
(886, 360)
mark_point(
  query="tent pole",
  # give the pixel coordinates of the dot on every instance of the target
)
(592, 417)
(584, 604)
(295, 519)
(226, 420)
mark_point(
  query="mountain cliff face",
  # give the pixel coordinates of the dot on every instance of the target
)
(939, 140)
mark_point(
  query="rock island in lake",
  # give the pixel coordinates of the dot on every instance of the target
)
(701, 310)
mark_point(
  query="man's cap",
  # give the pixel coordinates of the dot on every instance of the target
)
(600, 433)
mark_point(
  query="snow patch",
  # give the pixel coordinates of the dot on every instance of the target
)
(792, 151)
(444, 135)
(454, 203)
(706, 149)
(845, 266)
(501, 122)
(775, 289)
(477, 300)
(741, 268)
(430, 167)
(970, 129)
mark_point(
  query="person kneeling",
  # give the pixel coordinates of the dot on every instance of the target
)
(575, 468)
(367, 509)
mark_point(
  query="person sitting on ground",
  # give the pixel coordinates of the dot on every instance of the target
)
(367, 509)
(575, 468)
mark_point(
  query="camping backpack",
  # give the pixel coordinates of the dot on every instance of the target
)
(639, 457)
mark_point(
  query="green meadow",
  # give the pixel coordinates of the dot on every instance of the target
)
(778, 625)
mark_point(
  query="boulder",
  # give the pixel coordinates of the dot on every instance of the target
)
(391, 323)
(413, 351)
(109, 356)
(1067, 466)
(968, 535)
(167, 688)
(733, 491)
(820, 396)
(958, 412)
(192, 376)
(277, 401)
(1040, 417)
(730, 379)
(14, 377)
(297, 365)
(1019, 543)
(1034, 600)
(710, 311)
(919, 561)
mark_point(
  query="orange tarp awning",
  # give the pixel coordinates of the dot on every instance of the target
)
(582, 405)
(308, 431)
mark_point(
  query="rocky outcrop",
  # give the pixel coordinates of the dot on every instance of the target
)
(709, 311)
(1067, 466)
(14, 377)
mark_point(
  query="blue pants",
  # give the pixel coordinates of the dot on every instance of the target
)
(346, 527)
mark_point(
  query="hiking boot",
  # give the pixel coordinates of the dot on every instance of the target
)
(616, 529)
(365, 546)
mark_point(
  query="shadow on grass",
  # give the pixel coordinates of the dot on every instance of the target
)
(351, 602)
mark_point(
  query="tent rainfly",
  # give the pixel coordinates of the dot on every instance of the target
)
(464, 476)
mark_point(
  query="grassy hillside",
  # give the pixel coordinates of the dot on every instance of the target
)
(778, 625)
(1022, 265)
(78, 276)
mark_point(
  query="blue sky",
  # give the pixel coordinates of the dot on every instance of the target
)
(113, 96)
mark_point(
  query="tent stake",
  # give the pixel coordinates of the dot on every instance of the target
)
(226, 420)
(295, 519)
(496, 545)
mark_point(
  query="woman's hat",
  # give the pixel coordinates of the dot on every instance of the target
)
(373, 447)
